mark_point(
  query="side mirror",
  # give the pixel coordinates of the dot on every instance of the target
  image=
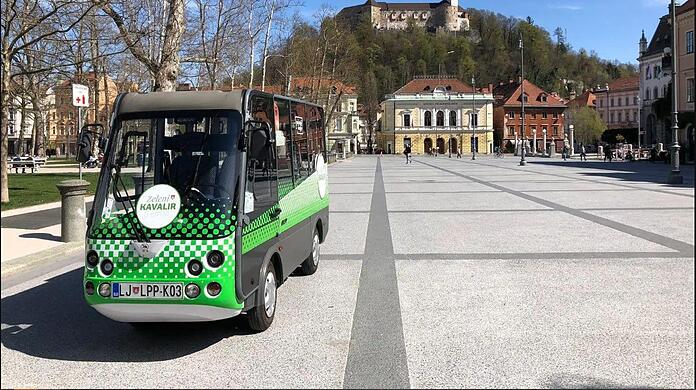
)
(84, 145)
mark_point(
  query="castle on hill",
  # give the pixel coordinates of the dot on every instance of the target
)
(445, 15)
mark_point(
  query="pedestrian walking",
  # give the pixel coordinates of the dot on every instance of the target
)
(608, 155)
(583, 153)
(407, 153)
(459, 152)
(565, 152)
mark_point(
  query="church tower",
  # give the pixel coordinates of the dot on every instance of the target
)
(643, 44)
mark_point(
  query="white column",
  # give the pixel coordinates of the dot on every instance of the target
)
(545, 151)
(535, 144)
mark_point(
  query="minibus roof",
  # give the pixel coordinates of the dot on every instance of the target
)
(181, 101)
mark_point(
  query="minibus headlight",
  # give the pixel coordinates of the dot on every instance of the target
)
(215, 258)
(89, 288)
(195, 267)
(213, 289)
(192, 290)
(105, 290)
(107, 267)
(92, 258)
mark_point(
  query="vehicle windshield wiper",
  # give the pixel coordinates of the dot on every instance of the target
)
(139, 231)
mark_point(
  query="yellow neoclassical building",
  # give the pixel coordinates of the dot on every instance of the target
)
(436, 114)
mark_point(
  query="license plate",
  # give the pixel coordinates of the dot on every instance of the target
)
(147, 290)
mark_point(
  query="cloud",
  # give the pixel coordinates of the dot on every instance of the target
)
(567, 7)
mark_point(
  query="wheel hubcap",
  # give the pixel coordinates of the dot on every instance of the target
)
(315, 250)
(269, 295)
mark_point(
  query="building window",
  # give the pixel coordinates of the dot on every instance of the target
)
(428, 119)
(339, 125)
(453, 118)
(626, 100)
(655, 96)
(407, 120)
(690, 90)
(619, 115)
(473, 117)
(440, 118)
(554, 115)
(689, 42)
(611, 117)
(511, 131)
(635, 100)
(533, 115)
(647, 73)
(647, 94)
(635, 113)
(511, 114)
(664, 90)
(555, 131)
(656, 71)
(544, 115)
(612, 102)
(601, 103)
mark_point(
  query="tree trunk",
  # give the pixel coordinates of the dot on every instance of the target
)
(265, 47)
(5, 103)
(22, 123)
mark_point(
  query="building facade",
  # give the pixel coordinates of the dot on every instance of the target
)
(654, 83)
(20, 126)
(436, 114)
(62, 122)
(686, 86)
(618, 104)
(445, 15)
(543, 117)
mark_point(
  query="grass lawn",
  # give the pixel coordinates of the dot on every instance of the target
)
(29, 190)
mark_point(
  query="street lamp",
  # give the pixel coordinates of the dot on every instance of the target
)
(675, 176)
(474, 120)
(523, 161)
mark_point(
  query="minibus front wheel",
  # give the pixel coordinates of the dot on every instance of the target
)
(261, 316)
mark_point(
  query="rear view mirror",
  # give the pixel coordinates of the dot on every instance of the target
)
(84, 145)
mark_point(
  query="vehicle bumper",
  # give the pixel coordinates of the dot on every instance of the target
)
(148, 312)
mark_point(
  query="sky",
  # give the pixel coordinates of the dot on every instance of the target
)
(611, 28)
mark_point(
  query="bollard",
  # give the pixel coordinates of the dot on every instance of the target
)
(73, 220)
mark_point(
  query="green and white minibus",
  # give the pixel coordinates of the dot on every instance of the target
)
(206, 203)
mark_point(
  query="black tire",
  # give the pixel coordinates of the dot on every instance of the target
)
(258, 317)
(311, 263)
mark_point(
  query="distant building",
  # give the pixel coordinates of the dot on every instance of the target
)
(63, 122)
(433, 113)
(544, 114)
(686, 87)
(617, 105)
(445, 15)
(19, 133)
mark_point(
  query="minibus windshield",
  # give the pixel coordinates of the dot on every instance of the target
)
(196, 153)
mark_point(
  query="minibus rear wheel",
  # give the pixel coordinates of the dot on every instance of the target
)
(261, 316)
(311, 263)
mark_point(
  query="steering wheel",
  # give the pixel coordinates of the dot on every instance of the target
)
(201, 196)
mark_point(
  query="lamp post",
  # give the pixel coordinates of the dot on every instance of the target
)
(545, 151)
(474, 120)
(523, 161)
(675, 176)
(639, 120)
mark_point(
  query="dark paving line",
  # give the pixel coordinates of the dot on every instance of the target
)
(36, 219)
(329, 257)
(442, 192)
(550, 256)
(377, 352)
(636, 232)
(585, 179)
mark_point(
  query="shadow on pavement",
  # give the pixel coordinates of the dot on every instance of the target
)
(41, 236)
(631, 171)
(53, 321)
(574, 381)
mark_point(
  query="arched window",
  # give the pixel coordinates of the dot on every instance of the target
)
(655, 96)
(428, 119)
(440, 118)
(647, 94)
(407, 120)
(453, 118)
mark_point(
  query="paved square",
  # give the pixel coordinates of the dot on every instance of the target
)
(440, 273)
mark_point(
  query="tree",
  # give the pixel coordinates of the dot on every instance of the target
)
(162, 59)
(588, 125)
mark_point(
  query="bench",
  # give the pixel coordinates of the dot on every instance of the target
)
(32, 163)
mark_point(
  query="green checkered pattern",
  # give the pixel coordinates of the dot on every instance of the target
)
(212, 219)
(302, 202)
(168, 266)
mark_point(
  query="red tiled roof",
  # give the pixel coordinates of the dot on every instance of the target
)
(310, 83)
(627, 83)
(428, 85)
(587, 99)
(509, 94)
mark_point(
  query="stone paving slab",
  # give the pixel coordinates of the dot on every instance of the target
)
(347, 233)
(508, 232)
(456, 201)
(656, 221)
(619, 199)
(530, 323)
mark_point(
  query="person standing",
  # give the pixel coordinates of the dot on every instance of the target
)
(564, 153)
(407, 152)
(583, 154)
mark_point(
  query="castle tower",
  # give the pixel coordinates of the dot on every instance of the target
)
(643, 44)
